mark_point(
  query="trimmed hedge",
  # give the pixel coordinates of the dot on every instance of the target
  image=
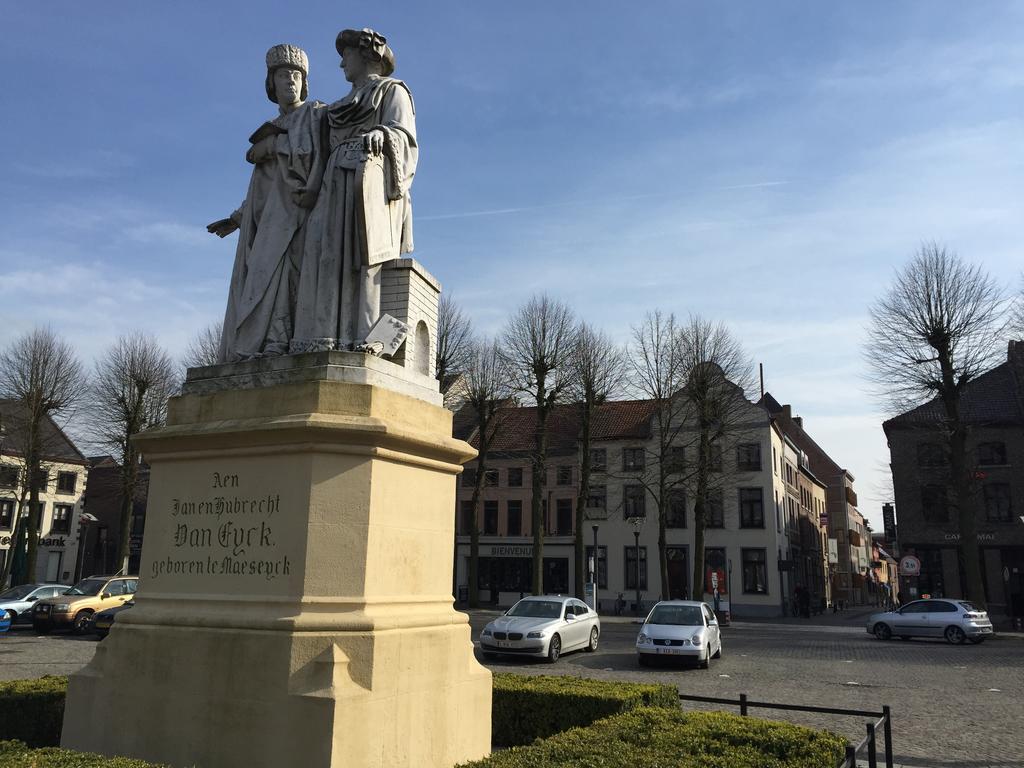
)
(662, 738)
(15, 754)
(526, 708)
(32, 711)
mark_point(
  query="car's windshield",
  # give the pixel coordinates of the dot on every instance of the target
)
(89, 587)
(17, 593)
(678, 615)
(538, 609)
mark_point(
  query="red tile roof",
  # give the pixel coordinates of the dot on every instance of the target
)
(620, 420)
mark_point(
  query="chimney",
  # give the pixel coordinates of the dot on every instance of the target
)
(787, 411)
(799, 421)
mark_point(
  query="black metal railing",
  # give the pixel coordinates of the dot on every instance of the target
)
(868, 745)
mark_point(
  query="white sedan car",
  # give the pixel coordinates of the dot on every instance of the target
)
(682, 629)
(544, 626)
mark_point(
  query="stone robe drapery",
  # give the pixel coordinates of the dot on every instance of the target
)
(259, 319)
(362, 217)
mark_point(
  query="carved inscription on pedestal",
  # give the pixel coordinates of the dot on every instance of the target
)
(226, 532)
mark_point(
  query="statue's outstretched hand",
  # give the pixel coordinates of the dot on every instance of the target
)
(222, 227)
(374, 141)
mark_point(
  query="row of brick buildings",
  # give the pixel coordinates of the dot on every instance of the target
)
(777, 500)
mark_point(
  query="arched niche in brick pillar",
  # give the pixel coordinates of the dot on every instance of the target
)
(422, 348)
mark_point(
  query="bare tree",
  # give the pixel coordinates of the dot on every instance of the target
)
(486, 391)
(538, 342)
(131, 385)
(1017, 321)
(657, 373)
(455, 345)
(597, 365)
(939, 327)
(42, 374)
(717, 412)
(204, 347)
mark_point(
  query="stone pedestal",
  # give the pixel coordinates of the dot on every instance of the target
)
(294, 605)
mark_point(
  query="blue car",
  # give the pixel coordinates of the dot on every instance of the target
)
(5, 621)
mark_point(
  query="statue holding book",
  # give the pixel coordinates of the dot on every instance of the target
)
(288, 161)
(327, 206)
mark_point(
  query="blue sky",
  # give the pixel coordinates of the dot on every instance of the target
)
(766, 164)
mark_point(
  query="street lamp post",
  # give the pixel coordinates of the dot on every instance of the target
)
(597, 566)
(637, 522)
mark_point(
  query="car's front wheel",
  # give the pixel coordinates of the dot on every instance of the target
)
(554, 649)
(954, 635)
(592, 645)
(706, 661)
(882, 631)
(82, 619)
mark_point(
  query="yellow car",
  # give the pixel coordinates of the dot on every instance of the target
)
(75, 608)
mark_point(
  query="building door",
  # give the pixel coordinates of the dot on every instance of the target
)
(678, 571)
(556, 576)
(53, 566)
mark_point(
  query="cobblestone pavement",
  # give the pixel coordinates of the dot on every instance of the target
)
(952, 705)
(23, 654)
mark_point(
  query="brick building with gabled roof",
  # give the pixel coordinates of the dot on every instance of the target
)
(747, 538)
(849, 575)
(64, 471)
(993, 407)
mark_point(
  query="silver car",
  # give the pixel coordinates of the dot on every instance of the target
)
(683, 629)
(544, 627)
(18, 601)
(955, 620)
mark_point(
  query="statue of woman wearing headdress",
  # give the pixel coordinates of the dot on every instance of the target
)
(288, 166)
(363, 214)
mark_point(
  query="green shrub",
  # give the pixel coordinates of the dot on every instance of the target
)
(14, 754)
(525, 708)
(663, 738)
(32, 711)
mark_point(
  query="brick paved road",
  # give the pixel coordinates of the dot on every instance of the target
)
(23, 654)
(952, 705)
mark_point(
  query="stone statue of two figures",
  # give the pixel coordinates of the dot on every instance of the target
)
(327, 205)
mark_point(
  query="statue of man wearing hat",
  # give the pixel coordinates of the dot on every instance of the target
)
(288, 167)
(363, 214)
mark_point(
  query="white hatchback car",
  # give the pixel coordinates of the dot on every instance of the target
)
(544, 626)
(682, 629)
(955, 620)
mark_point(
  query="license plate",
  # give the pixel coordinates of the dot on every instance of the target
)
(504, 644)
(985, 629)
(667, 650)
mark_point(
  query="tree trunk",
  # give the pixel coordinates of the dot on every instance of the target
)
(536, 515)
(662, 528)
(32, 531)
(474, 527)
(9, 563)
(700, 506)
(129, 479)
(581, 502)
(970, 555)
